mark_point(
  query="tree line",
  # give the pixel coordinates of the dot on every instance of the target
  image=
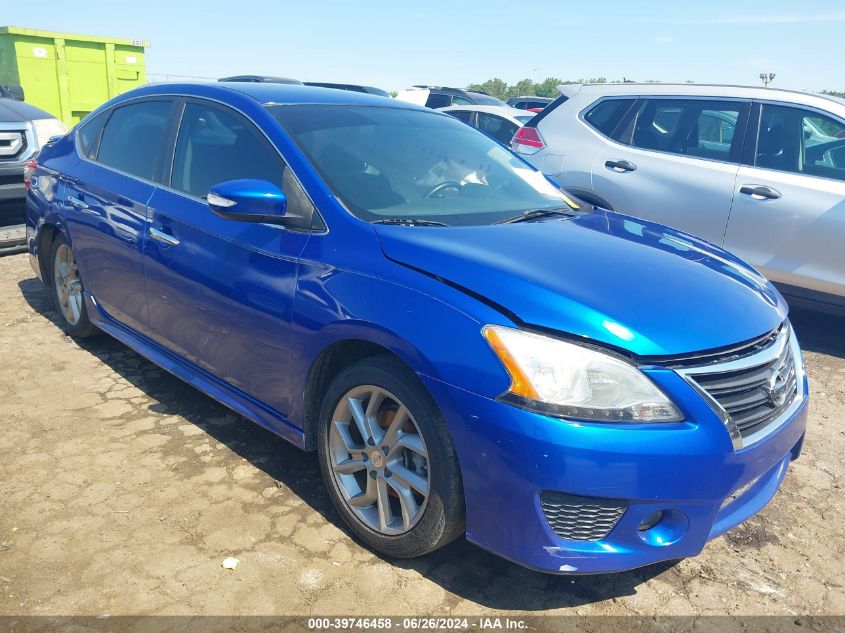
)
(528, 87)
(548, 87)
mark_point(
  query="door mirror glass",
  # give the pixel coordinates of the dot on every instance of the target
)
(248, 201)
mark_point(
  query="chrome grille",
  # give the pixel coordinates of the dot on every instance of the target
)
(11, 144)
(753, 390)
(581, 518)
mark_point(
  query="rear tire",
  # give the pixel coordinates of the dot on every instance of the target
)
(68, 292)
(396, 483)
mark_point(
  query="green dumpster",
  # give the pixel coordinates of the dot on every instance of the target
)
(70, 75)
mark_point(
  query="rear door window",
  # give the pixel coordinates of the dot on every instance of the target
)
(439, 100)
(133, 139)
(497, 127)
(690, 127)
(463, 115)
(801, 141)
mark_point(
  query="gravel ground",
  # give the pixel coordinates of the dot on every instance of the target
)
(123, 489)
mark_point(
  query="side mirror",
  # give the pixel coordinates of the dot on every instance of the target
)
(12, 91)
(248, 201)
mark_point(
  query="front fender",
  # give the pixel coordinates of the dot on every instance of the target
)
(436, 336)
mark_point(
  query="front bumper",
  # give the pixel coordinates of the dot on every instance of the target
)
(510, 456)
(12, 207)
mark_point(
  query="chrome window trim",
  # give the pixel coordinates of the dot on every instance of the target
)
(765, 356)
(161, 185)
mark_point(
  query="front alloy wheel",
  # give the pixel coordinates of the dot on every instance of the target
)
(388, 459)
(379, 460)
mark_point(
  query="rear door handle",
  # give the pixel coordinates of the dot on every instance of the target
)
(164, 238)
(79, 204)
(620, 166)
(760, 192)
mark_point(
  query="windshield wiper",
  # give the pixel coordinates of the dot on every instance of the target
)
(409, 222)
(534, 214)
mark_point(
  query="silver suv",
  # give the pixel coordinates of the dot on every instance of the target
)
(759, 171)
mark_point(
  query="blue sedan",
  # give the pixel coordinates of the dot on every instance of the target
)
(466, 350)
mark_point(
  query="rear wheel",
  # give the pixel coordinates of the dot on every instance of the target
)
(388, 460)
(68, 291)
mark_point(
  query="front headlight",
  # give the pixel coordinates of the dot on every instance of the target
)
(577, 382)
(45, 129)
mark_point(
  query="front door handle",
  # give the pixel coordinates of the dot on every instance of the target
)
(164, 238)
(79, 204)
(760, 192)
(620, 166)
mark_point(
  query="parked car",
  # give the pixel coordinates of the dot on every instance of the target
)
(758, 171)
(261, 79)
(438, 97)
(535, 104)
(578, 392)
(370, 90)
(495, 121)
(24, 129)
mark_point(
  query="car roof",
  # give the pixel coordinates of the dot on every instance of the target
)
(353, 87)
(260, 79)
(442, 89)
(269, 93)
(531, 98)
(504, 111)
(704, 90)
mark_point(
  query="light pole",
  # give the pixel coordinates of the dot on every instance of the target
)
(767, 78)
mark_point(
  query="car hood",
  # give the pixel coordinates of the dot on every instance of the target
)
(12, 111)
(610, 278)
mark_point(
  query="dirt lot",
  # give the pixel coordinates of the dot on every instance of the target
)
(122, 490)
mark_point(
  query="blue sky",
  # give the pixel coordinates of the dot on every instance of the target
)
(394, 44)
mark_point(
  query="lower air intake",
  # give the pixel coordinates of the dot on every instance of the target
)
(581, 518)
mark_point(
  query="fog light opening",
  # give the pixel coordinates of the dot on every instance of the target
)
(663, 527)
(650, 521)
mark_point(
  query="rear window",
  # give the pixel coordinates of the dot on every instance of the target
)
(535, 120)
(606, 114)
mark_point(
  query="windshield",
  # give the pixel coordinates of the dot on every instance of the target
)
(388, 163)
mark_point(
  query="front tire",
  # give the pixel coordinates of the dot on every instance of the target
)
(388, 460)
(68, 291)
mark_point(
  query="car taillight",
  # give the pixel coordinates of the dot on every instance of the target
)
(527, 140)
(28, 169)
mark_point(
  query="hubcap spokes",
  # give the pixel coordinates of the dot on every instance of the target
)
(68, 285)
(379, 460)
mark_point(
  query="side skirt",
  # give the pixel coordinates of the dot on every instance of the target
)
(198, 378)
